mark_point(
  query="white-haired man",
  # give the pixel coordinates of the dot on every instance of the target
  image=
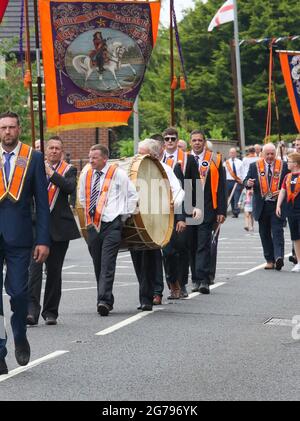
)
(266, 176)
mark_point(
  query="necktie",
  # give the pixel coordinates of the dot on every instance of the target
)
(233, 166)
(269, 174)
(95, 193)
(197, 159)
(7, 164)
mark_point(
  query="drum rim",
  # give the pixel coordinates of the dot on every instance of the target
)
(137, 218)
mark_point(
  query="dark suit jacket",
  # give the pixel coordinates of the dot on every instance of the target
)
(258, 201)
(210, 213)
(62, 223)
(190, 188)
(15, 217)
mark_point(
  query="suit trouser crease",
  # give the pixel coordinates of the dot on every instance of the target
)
(104, 251)
(201, 252)
(145, 265)
(271, 233)
(16, 286)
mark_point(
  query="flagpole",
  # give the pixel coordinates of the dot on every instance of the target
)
(239, 78)
(172, 116)
(29, 73)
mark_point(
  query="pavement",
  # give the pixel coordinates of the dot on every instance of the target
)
(238, 343)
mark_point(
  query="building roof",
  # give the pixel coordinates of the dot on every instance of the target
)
(10, 26)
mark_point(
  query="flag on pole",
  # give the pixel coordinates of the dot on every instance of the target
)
(290, 65)
(95, 54)
(3, 5)
(224, 14)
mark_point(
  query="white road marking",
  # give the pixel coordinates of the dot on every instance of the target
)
(69, 267)
(127, 322)
(214, 286)
(77, 289)
(34, 363)
(256, 268)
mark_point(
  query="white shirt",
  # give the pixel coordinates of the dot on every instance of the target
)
(246, 164)
(13, 159)
(167, 155)
(177, 191)
(122, 196)
(201, 157)
(238, 166)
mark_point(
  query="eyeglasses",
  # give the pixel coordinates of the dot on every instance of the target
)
(170, 138)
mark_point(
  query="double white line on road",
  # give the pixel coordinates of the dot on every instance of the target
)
(34, 363)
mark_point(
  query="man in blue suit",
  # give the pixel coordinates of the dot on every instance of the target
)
(22, 180)
(266, 176)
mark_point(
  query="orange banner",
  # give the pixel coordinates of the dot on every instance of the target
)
(290, 65)
(95, 55)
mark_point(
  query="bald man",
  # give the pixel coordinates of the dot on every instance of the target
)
(266, 176)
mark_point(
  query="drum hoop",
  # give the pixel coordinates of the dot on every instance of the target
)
(137, 219)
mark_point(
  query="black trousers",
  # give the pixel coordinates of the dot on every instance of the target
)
(52, 296)
(103, 248)
(176, 257)
(202, 260)
(145, 266)
(271, 232)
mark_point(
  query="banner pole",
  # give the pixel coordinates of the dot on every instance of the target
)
(39, 75)
(28, 62)
(172, 64)
(239, 77)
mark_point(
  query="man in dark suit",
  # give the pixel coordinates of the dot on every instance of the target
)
(63, 228)
(22, 179)
(176, 253)
(213, 180)
(266, 176)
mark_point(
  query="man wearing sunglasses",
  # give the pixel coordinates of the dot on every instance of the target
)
(176, 253)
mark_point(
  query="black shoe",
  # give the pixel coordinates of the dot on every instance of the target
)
(146, 307)
(50, 321)
(31, 320)
(3, 367)
(103, 309)
(22, 352)
(139, 307)
(279, 263)
(293, 259)
(234, 216)
(204, 288)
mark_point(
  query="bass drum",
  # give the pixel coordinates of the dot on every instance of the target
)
(151, 227)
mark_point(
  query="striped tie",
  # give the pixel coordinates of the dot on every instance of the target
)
(95, 193)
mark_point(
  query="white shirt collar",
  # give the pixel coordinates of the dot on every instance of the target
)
(104, 169)
(15, 151)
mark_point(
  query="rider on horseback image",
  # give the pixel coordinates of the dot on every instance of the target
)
(99, 55)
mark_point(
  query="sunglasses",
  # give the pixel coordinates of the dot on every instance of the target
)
(170, 138)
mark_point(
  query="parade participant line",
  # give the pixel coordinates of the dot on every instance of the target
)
(257, 268)
(34, 363)
(127, 322)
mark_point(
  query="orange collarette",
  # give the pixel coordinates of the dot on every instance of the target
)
(265, 189)
(14, 189)
(96, 219)
(53, 190)
(292, 195)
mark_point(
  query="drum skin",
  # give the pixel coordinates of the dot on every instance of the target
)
(152, 225)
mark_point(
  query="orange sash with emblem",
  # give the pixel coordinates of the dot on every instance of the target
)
(53, 190)
(265, 189)
(235, 177)
(292, 195)
(95, 221)
(181, 159)
(14, 189)
(210, 164)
